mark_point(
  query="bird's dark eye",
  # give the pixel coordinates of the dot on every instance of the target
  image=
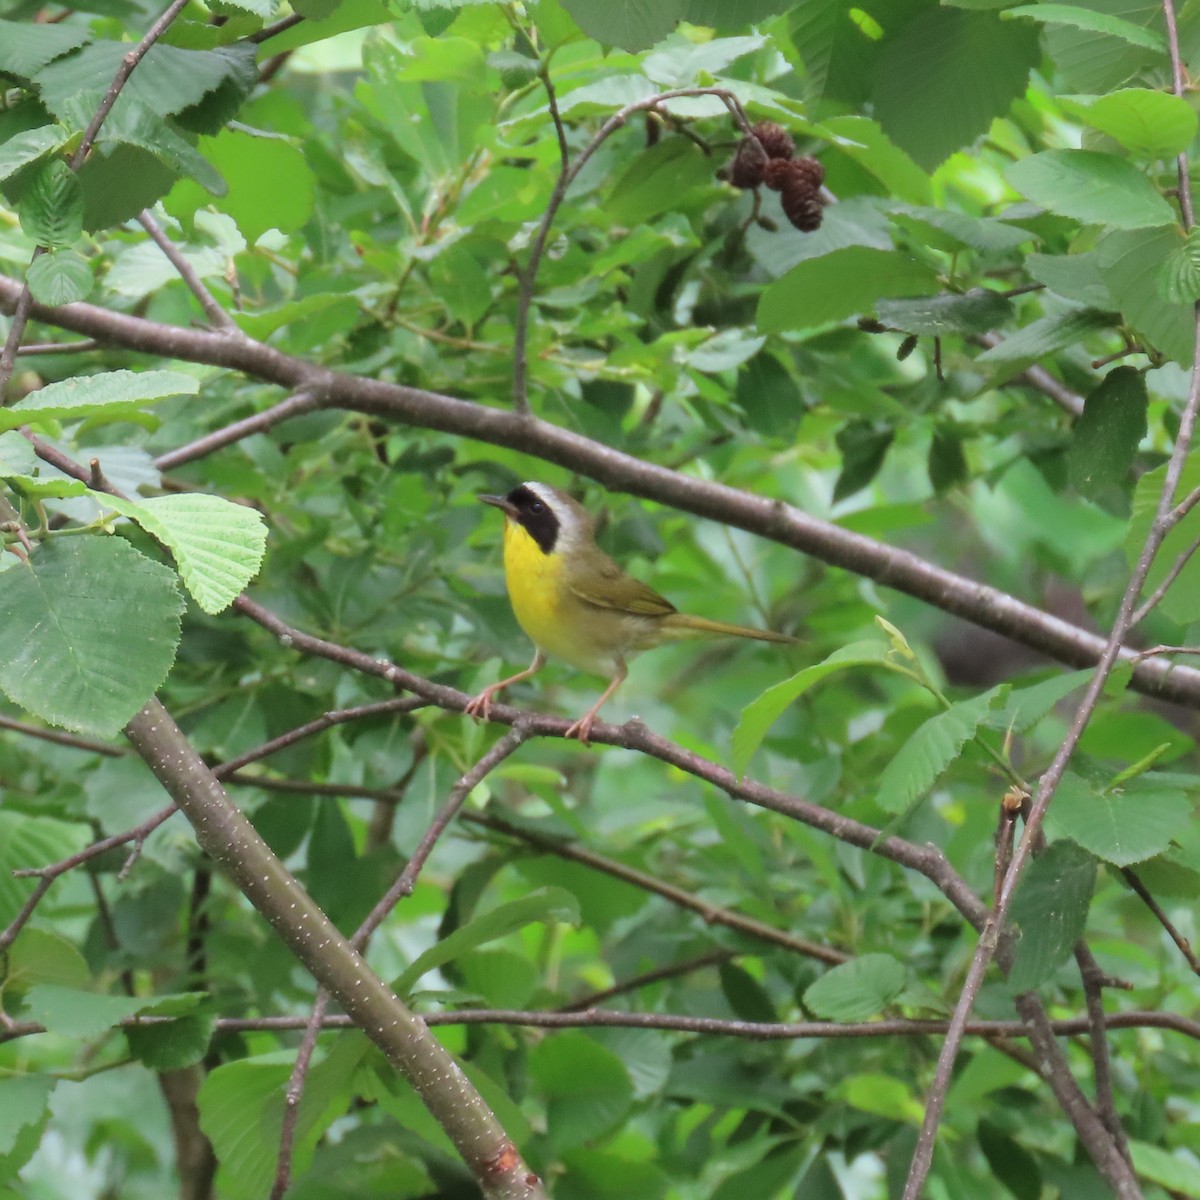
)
(536, 506)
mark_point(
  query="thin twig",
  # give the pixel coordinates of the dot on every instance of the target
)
(1134, 880)
(1039, 379)
(1179, 85)
(710, 958)
(298, 404)
(34, 348)
(1154, 599)
(216, 315)
(1092, 978)
(281, 26)
(294, 1093)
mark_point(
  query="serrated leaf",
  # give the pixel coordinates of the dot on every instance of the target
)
(545, 904)
(1092, 21)
(856, 990)
(631, 24)
(24, 1101)
(24, 148)
(1181, 602)
(217, 545)
(1178, 279)
(111, 395)
(88, 631)
(1025, 707)
(947, 463)
(955, 229)
(75, 1013)
(1151, 123)
(1106, 436)
(39, 956)
(932, 747)
(1041, 338)
(31, 842)
(61, 277)
(26, 47)
(51, 210)
(1050, 907)
(1125, 826)
(760, 714)
(1097, 189)
(587, 1089)
(976, 311)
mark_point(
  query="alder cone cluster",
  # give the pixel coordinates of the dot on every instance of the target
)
(768, 158)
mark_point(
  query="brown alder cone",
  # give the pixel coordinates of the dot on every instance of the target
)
(746, 170)
(810, 169)
(775, 173)
(775, 140)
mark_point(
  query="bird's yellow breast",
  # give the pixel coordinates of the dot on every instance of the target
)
(551, 616)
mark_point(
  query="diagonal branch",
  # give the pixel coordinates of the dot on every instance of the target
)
(216, 315)
(891, 566)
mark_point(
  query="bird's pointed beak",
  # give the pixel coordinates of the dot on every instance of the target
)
(502, 503)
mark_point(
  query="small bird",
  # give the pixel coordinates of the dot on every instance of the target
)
(576, 604)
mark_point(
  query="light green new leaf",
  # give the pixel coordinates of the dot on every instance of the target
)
(88, 631)
(1151, 123)
(24, 148)
(1051, 907)
(1172, 1171)
(545, 904)
(838, 285)
(1125, 826)
(761, 713)
(111, 395)
(61, 277)
(1106, 436)
(932, 748)
(856, 990)
(1089, 19)
(217, 545)
(1098, 189)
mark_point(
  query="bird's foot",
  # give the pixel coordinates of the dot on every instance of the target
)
(481, 706)
(582, 729)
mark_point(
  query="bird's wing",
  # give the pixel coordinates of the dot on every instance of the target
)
(611, 588)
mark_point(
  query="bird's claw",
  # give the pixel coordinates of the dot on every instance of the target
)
(481, 706)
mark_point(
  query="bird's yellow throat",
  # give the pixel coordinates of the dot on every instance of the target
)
(534, 579)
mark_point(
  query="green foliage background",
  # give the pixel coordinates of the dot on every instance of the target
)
(1005, 185)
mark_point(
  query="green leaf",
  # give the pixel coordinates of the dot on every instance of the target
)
(856, 990)
(947, 462)
(630, 24)
(972, 56)
(88, 632)
(1025, 707)
(862, 140)
(112, 395)
(217, 545)
(1089, 19)
(587, 1089)
(1097, 189)
(75, 1013)
(31, 842)
(1176, 1172)
(1043, 337)
(932, 747)
(1105, 438)
(1129, 264)
(1178, 279)
(24, 148)
(1125, 826)
(172, 1045)
(39, 956)
(949, 229)
(976, 311)
(657, 181)
(1148, 122)
(1010, 1162)
(26, 47)
(24, 1103)
(1051, 907)
(760, 714)
(1181, 602)
(51, 208)
(545, 904)
(1074, 277)
(838, 285)
(60, 277)
(864, 446)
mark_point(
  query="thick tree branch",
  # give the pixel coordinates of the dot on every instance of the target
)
(229, 838)
(893, 567)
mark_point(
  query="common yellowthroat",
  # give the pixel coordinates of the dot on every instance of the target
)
(576, 604)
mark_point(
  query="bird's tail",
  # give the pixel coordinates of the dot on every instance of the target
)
(682, 625)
